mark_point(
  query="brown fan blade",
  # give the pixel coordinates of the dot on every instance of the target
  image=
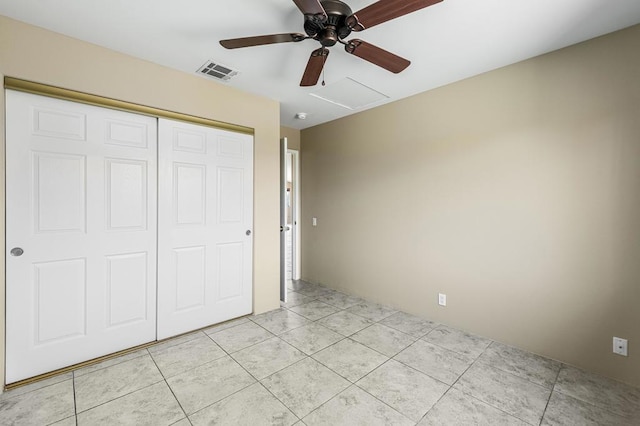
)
(312, 8)
(385, 10)
(236, 43)
(376, 55)
(314, 67)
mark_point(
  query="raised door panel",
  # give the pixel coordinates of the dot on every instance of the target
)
(59, 122)
(127, 288)
(127, 133)
(230, 195)
(229, 262)
(59, 292)
(59, 192)
(189, 194)
(126, 193)
(190, 277)
(190, 140)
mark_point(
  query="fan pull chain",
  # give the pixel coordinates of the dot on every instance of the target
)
(324, 62)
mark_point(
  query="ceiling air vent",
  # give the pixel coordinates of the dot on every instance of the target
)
(217, 71)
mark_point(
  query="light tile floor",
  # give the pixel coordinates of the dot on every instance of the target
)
(327, 358)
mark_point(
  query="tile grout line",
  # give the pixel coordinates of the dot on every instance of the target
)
(75, 405)
(437, 325)
(311, 357)
(515, 375)
(301, 359)
(278, 399)
(371, 372)
(280, 309)
(465, 371)
(259, 381)
(120, 397)
(351, 384)
(164, 379)
(327, 401)
(421, 372)
(190, 368)
(550, 395)
(319, 350)
(435, 403)
(233, 393)
(221, 399)
(518, 376)
(476, 398)
(373, 349)
(246, 347)
(475, 362)
(590, 403)
(261, 384)
(378, 399)
(168, 340)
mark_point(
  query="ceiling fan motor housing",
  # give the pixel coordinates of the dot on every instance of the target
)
(334, 28)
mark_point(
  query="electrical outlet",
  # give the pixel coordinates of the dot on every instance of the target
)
(442, 299)
(314, 221)
(620, 346)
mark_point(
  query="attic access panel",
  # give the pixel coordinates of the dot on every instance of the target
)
(349, 94)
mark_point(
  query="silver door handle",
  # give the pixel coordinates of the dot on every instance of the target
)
(16, 251)
(248, 232)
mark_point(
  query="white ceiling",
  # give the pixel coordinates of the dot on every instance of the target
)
(446, 42)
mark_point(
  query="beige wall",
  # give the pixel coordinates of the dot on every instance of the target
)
(292, 135)
(34, 54)
(516, 193)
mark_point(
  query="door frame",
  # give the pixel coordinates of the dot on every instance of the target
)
(295, 183)
(295, 213)
(283, 218)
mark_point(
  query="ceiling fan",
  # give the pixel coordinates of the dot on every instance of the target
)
(330, 22)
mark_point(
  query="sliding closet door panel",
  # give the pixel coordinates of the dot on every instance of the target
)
(81, 221)
(205, 223)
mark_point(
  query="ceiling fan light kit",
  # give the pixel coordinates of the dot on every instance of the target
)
(330, 22)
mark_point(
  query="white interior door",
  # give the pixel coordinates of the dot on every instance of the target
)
(205, 224)
(283, 219)
(81, 206)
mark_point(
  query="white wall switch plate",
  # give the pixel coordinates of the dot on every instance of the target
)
(620, 346)
(442, 299)
(314, 221)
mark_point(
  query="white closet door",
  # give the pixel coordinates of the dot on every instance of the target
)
(81, 205)
(205, 224)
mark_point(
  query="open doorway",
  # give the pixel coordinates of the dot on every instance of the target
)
(289, 217)
(292, 255)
